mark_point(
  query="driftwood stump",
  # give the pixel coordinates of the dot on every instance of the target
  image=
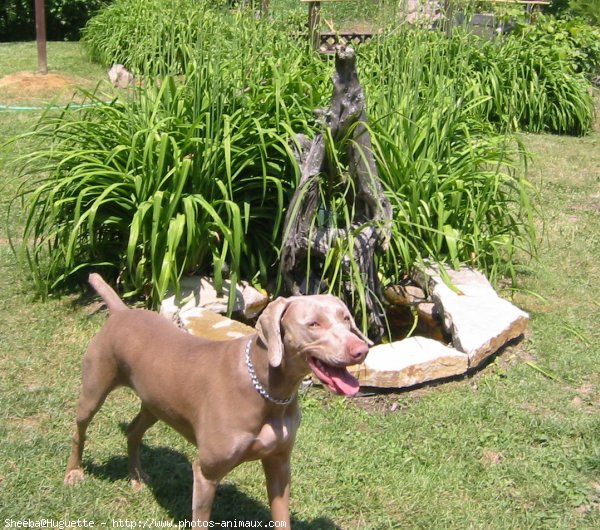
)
(344, 122)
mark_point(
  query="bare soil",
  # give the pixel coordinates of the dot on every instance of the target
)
(33, 88)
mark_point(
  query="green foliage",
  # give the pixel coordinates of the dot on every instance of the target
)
(587, 9)
(194, 172)
(151, 36)
(64, 18)
(189, 175)
(450, 176)
(531, 85)
(565, 40)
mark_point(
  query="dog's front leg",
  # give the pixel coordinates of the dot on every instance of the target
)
(203, 495)
(278, 474)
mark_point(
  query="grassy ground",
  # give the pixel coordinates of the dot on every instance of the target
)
(516, 445)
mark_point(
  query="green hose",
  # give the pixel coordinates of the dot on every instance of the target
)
(16, 108)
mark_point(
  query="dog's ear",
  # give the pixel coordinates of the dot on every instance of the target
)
(268, 326)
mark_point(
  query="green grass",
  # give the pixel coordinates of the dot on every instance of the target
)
(63, 57)
(506, 448)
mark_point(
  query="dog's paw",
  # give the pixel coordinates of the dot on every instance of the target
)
(73, 477)
(139, 481)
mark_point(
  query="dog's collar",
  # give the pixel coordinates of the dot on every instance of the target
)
(259, 388)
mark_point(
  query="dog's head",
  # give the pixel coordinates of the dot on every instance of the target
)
(318, 330)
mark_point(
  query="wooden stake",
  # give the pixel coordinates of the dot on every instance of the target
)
(40, 33)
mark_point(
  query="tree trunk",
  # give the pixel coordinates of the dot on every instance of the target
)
(303, 240)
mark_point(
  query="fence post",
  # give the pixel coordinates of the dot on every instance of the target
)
(40, 34)
(314, 22)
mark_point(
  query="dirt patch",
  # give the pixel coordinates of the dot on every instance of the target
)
(28, 423)
(33, 88)
(490, 457)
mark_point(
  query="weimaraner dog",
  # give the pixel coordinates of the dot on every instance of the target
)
(236, 400)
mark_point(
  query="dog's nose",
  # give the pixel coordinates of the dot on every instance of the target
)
(358, 349)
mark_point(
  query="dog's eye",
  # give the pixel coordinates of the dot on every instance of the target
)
(314, 324)
(347, 318)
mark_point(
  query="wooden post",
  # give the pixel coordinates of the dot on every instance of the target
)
(40, 33)
(314, 23)
(449, 16)
(264, 8)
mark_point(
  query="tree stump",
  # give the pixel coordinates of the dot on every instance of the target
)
(369, 229)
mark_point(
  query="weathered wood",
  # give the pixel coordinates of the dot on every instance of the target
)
(370, 229)
(40, 35)
(314, 21)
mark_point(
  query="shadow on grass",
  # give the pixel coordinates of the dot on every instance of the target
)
(171, 484)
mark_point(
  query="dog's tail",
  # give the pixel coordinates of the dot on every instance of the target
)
(109, 296)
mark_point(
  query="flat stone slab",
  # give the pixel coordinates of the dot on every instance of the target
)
(479, 321)
(199, 291)
(409, 362)
(210, 325)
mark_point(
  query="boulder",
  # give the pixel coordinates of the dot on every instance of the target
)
(210, 325)
(409, 362)
(198, 291)
(120, 77)
(479, 321)
(404, 295)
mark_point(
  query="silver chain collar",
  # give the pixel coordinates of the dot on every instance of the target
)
(259, 388)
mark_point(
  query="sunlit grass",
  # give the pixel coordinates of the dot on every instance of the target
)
(506, 448)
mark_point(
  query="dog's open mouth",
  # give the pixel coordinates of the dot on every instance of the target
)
(336, 378)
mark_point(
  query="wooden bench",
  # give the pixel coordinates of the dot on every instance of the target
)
(326, 41)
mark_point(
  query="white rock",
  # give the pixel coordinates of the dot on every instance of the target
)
(409, 362)
(120, 77)
(210, 325)
(479, 321)
(199, 291)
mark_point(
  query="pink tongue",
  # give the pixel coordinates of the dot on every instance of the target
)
(337, 379)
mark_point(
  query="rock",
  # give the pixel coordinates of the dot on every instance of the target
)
(210, 325)
(428, 311)
(200, 305)
(120, 77)
(479, 321)
(464, 281)
(409, 362)
(200, 292)
(404, 295)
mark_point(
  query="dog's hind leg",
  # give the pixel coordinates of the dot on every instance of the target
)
(99, 378)
(135, 431)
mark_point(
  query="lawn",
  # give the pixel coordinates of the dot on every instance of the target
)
(514, 446)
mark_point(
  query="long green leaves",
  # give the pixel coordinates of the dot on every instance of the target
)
(193, 171)
(451, 178)
(189, 174)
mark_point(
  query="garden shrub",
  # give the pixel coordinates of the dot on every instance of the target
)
(454, 181)
(64, 18)
(531, 86)
(150, 36)
(572, 40)
(193, 172)
(587, 9)
(191, 175)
